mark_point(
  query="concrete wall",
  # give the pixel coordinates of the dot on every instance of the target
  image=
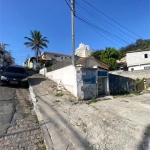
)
(81, 82)
(43, 71)
(119, 84)
(133, 74)
(67, 76)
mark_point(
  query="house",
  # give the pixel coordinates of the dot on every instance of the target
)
(122, 64)
(83, 50)
(31, 63)
(91, 62)
(88, 79)
(54, 56)
(138, 60)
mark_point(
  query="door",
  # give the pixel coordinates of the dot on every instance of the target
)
(101, 89)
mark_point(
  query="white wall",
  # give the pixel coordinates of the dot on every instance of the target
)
(43, 71)
(139, 67)
(67, 76)
(138, 58)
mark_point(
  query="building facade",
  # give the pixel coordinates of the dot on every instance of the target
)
(54, 56)
(138, 60)
(83, 51)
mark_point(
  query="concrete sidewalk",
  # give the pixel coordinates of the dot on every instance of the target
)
(58, 132)
(118, 124)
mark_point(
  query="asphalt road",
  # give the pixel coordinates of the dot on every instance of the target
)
(19, 126)
(9, 111)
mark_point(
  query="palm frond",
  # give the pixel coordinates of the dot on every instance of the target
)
(36, 42)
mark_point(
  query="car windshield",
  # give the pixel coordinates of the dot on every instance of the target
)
(15, 70)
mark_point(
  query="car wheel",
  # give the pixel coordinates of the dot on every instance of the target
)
(2, 84)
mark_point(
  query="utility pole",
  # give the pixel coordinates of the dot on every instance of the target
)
(72, 27)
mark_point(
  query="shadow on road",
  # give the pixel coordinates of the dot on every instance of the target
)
(36, 81)
(19, 132)
(145, 143)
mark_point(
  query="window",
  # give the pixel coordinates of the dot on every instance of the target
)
(133, 58)
(147, 68)
(145, 56)
(132, 69)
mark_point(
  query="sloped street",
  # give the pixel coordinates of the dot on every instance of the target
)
(121, 123)
(19, 127)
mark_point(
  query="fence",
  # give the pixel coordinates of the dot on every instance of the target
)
(59, 65)
(121, 85)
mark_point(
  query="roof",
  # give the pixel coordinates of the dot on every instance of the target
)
(139, 50)
(56, 54)
(83, 61)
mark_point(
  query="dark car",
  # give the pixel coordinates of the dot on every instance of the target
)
(2, 69)
(14, 75)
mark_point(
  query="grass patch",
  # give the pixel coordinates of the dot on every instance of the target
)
(130, 94)
(57, 101)
(29, 104)
(70, 100)
(41, 145)
(59, 94)
(93, 100)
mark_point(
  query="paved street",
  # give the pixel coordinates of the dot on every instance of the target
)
(19, 127)
(121, 123)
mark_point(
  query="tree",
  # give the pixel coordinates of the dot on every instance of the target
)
(96, 54)
(108, 56)
(36, 42)
(139, 44)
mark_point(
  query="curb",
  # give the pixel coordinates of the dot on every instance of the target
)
(46, 135)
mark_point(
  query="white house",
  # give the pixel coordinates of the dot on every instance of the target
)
(54, 56)
(86, 80)
(138, 60)
(83, 50)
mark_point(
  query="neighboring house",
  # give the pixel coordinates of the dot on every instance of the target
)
(138, 60)
(91, 62)
(31, 63)
(122, 64)
(88, 79)
(54, 56)
(83, 51)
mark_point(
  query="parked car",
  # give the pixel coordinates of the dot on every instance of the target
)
(2, 69)
(14, 75)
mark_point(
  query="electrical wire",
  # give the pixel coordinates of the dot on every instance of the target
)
(94, 15)
(110, 18)
(101, 29)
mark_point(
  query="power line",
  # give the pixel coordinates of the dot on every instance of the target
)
(110, 18)
(94, 15)
(101, 29)
(68, 4)
(99, 33)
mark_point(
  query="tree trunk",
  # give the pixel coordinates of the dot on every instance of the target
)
(37, 55)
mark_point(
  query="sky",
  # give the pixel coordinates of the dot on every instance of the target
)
(114, 23)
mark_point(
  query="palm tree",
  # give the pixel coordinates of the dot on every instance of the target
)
(36, 42)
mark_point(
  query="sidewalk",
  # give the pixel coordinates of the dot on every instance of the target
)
(58, 131)
(118, 124)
